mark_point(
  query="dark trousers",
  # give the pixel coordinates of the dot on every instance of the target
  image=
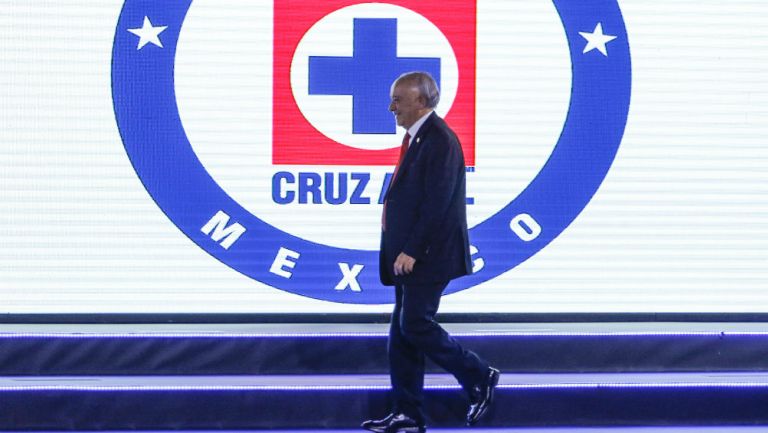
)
(414, 334)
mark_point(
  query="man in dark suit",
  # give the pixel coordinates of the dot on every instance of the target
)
(424, 245)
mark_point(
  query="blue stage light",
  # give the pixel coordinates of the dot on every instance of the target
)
(300, 388)
(483, 334)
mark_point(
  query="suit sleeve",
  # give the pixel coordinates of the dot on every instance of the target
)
(444, 163)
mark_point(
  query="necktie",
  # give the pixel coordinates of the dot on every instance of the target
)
(403, 150)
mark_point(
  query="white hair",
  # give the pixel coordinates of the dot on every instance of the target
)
(426, 85)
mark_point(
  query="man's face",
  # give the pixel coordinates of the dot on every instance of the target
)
(406, 104)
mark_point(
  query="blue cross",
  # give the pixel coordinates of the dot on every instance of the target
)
(368, 74)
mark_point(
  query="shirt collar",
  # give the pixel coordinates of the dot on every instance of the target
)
(414, 129)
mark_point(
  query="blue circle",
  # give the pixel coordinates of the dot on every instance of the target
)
(154, 138)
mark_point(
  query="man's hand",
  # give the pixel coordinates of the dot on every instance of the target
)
(404, 264)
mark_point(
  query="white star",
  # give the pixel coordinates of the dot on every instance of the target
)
(597, 40)
(147, 33)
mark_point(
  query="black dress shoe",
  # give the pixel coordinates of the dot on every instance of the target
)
(481, 396)
(395, 423)
(378, 425)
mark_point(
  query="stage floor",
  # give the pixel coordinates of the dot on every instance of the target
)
(725, 429)
(357, 381)
(251, 375)
(596, 328)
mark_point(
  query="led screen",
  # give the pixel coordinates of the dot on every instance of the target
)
(222, 156)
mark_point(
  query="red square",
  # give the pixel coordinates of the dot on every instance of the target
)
(297, 142)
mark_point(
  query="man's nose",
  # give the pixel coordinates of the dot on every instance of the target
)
(392, 106)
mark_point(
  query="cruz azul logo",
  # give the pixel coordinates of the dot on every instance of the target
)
(262, 130)
(357, 79)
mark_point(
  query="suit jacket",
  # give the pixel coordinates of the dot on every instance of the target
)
(426, 214)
